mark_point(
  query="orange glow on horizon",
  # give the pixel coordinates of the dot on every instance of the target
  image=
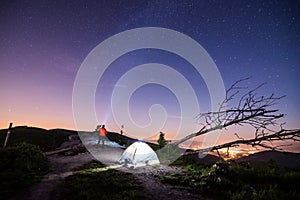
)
(66, 123)
(45, 125)
(234, 153)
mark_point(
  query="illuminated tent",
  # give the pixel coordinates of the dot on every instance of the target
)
(139, 154)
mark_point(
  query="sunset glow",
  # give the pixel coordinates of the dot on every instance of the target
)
(233, 153)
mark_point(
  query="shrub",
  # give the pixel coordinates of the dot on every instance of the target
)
(21, 165)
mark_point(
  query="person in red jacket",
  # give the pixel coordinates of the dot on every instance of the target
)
(102, 134)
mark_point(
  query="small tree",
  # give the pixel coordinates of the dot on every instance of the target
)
(161, 140)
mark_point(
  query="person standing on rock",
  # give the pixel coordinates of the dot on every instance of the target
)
(102, 134)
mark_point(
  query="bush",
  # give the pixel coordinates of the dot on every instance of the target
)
(20, 166)
(244, 182)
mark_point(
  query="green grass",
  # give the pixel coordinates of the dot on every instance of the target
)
(235, 181)
(96, 181)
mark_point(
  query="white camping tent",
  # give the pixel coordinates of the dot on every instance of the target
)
(139, 154)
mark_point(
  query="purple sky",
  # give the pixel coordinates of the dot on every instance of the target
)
(43, 44)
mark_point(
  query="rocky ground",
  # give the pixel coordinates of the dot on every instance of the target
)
(154, 189)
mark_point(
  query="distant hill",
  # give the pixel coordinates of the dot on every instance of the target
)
(49, 140)
(208, 159)
(46, 139)
(124, 140)
(284, 159)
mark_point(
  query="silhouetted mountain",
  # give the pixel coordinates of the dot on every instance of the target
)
(63, 131)
(51, 139)
(208, 159)
(125, 140)
(46, 139)
(284, 159)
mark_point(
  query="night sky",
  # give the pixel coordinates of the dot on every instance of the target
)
(43, 43)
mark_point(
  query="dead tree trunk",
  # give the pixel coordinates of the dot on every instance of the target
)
(261, 141)
(251, 109)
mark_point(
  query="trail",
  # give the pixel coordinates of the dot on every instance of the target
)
(63, 166)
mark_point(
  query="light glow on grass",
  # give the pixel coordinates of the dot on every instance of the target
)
(98, 169)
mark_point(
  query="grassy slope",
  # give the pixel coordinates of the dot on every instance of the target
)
(237, 181)
(93, 181)
(46, 139)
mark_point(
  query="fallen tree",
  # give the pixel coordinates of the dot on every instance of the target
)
(250, 109)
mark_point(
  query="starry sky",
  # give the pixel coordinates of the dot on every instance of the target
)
(43, 44)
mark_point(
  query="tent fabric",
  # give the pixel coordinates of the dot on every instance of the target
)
(139, 154)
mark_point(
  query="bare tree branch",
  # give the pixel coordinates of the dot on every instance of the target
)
(262, 141)
(250, 109)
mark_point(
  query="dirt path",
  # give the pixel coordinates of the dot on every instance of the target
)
(63, 166)
(60, 168)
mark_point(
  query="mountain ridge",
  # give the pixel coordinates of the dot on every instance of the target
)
(53, 138)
